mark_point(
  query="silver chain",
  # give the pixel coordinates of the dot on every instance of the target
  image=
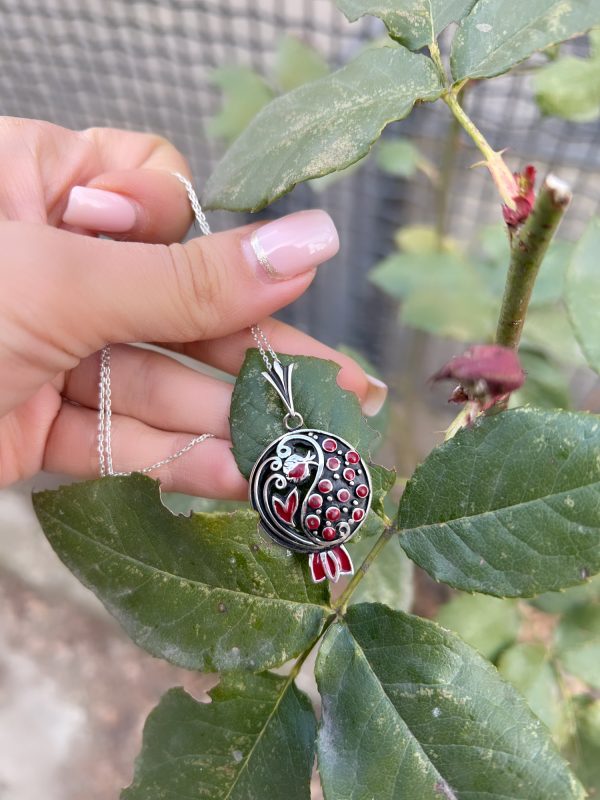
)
(104, 393)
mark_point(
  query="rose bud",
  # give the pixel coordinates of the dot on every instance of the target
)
(523, 199)
(486, 374)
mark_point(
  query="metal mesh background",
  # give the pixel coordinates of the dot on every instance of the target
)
(146, 64)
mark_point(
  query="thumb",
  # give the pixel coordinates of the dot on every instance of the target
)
(143, 205)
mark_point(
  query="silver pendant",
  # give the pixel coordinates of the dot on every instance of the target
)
(311, 489)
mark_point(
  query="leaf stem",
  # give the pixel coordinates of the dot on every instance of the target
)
(343, 599)
(503, 177)
(528, 249)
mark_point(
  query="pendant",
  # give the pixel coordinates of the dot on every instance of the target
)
(311, 489)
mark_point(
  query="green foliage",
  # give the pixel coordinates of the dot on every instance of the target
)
(583, 749)
(495, 37)
(528, 667)
(583, 293)
(296, 63)
(486, 623)
(546, 385)
(205, 592)
(570, 87)
(578, 643)
(329, 123)
(244, 94)
(401, 697)
(399, 157)
(258, 731)
(509, 507)
(413, 23)
(389, 580)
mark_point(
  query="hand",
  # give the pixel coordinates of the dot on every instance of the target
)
(65, 293)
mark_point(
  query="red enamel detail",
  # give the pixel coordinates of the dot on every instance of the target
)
(349, 474)
(286, 510)
(333, 464)
(357, 514)
(312, 522)
(344, 559)
(329, 533)
(325, 486)
(352, 457)
(298, 472)
(333, 513)
(330, 445)
(343, 495)
(317, 570)
(315, 501)
(362, 490)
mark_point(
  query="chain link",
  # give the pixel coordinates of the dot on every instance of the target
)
(104, 390)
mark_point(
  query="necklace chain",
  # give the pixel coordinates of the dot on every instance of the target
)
(105, 461)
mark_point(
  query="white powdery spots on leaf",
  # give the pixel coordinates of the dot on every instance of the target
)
(484, 27)
(436, 712)
(569, 502)
(237, 756)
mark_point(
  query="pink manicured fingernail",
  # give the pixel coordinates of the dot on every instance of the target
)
(292, 245)
(376, 396)
(99, 210)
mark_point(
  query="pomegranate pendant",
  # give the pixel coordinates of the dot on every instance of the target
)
(311, 489)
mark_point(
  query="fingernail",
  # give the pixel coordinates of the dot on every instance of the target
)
(292, 245)
(99, 210)
(376, 395)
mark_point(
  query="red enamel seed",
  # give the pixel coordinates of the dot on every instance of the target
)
(333, 464)
(315, 501)
(349, 474)
(312, 522)
(329, 445)
(343, 495)
(352, 457)
(333, 513)
(362, 490)
(329, 533)
(325, 486)
(357, 514)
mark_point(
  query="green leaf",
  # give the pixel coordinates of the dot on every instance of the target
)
(550, 284)
(545, 386)
(389, 579)
(244, 94)
(413, 23)
(399, 157)
(421, 239)
(296, 63)
(257, 413)
(411, 711)
(466, 316)
(547, 328)
(578, 643)
(255, 739)
(383, 481)
(528, 668)
(569, 88)
(486, 623)
(583, 751)
(205, 592)
(583, 293)
(495, 37)
(320, 127)
(509, 507)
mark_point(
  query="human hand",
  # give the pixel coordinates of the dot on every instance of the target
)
(64, 294)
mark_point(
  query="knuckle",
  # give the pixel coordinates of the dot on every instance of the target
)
(198, 285)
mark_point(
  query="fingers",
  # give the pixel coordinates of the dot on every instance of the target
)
(228, 353)
(156, 390)
(88, 291)
(134, 195)
(207, 470)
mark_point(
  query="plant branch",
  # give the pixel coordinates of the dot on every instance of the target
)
(528, 249)
(451, 146)
(503, 177)
(343, 599)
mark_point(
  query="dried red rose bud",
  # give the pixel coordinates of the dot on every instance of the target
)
(523, 199)
(486, 374)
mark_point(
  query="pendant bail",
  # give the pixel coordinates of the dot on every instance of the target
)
(280, 378)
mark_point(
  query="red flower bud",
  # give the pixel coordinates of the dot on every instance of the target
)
(486, 374)
(523, 199)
